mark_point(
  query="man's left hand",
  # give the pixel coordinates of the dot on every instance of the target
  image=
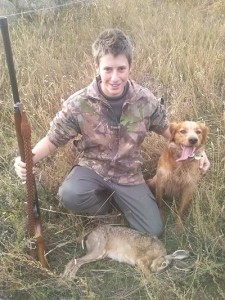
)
(204, 163)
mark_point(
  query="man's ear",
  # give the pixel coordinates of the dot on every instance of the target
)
(97, 68)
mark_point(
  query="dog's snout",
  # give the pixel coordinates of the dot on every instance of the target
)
(193, 140)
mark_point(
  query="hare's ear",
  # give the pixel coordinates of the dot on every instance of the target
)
(179, 254)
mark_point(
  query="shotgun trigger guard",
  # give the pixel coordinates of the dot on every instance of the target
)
(31, 244)
(18, 107)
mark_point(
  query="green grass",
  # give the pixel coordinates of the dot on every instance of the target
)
(179, 54)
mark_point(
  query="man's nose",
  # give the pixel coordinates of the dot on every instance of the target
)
(114, 75)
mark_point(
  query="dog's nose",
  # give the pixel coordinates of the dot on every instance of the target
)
(193, 140)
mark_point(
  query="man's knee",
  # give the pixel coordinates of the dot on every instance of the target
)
(153, 226)
(82, 201)
(154, 229)
(157, 229)
(72, 199)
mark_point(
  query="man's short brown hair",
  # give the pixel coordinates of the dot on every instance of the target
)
(112, 41)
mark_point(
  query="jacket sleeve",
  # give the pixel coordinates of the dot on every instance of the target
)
(158, 120)
(64, 126)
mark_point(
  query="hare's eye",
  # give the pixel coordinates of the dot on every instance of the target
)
(164, 264)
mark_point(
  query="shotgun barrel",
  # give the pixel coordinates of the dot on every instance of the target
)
(23, 133)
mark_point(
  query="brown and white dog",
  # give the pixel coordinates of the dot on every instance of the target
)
(178, 170)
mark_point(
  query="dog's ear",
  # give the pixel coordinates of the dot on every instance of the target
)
(205, 131)
(173, 127)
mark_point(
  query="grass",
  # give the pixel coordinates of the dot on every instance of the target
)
(179, 54)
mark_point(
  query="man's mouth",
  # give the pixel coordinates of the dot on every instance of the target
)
(115, 86)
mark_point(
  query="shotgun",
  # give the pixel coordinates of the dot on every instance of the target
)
(36, 242)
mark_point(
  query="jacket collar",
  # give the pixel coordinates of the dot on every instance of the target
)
(134, 91)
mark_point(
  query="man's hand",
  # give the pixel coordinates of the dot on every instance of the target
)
(204, 163)
(20, 168)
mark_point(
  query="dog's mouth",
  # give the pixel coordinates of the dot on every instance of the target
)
(187, 152)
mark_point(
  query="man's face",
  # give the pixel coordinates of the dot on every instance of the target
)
(114, 72)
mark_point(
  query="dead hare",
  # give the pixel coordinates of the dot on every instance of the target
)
(124, 245)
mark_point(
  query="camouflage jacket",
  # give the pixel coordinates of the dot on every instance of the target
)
(111, 148)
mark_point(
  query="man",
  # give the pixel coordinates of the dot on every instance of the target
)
(113, 116)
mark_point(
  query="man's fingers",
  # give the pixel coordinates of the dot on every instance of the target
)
(205, 168)
(204, 163)
(19, 162)
(21, 174)
(20, 168)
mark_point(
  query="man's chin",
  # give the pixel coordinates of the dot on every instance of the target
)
(115, 93)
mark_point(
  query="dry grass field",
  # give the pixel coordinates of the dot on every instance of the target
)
(179, 53)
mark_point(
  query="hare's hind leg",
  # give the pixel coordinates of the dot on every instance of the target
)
(96, 247)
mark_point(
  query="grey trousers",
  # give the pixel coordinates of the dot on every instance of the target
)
(85, 191)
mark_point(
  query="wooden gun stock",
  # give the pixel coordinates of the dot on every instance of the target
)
(23, 133)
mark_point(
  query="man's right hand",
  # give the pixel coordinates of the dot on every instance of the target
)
(20, 168)
(43, 148)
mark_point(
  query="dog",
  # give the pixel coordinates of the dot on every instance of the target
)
(178, 169)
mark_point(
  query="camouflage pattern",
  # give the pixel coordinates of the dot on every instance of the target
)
(111, 149)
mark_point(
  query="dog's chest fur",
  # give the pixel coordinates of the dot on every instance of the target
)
(178, 175)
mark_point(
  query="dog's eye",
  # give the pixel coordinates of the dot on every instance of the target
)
(183, 131)
(198, 131)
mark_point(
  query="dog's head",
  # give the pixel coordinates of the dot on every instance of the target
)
(189, 133)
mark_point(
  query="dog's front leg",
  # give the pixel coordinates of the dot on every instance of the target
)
(185, 201)
(159, 198)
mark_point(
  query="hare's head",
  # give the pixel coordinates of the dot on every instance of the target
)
(163, 262)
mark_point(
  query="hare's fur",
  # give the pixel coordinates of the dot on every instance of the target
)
(122, 244)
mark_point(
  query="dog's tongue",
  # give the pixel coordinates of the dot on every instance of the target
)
(186, 153)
